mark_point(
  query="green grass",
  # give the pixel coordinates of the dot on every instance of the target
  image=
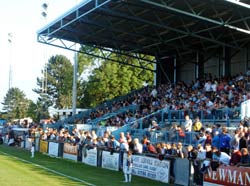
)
(16, 169)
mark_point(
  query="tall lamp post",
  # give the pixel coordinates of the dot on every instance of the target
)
(44, 74)
(44, 82)
(10, 58)
(10, 71)
(74, 88)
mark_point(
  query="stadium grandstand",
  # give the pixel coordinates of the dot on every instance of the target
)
(192, 116)
(195, 43)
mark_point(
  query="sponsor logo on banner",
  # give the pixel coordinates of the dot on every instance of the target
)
(43, 146)
(150, 168)
(110, 161)
(70, 149)
(228, 176)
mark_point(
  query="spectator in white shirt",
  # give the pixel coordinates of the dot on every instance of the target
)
(188, 124)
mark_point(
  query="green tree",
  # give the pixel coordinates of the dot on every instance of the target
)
(15, 104)
(110, 79)
(59, 83)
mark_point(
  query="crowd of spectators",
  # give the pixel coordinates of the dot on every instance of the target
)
(204, 97)
(213, 143)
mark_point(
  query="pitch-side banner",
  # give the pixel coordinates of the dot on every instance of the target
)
(228, 176)
(90, 158)
(110, 161)
(43, 146)
(53, 149)
(151, 168)
(70, 151)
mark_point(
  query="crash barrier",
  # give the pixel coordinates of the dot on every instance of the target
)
(168, 136)
(146, 165)
(165, 169)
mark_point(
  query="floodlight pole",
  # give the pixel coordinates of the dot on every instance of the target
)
(10, 62)
(44, 82)
(74, 91)
(74, 88)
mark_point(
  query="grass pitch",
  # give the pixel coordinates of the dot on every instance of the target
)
(18, 169)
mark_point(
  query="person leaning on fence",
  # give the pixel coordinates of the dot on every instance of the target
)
(220, 157)
(245, 158)
(181, 151)
(127, 168)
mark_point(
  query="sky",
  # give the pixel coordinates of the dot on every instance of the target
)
(27, 57)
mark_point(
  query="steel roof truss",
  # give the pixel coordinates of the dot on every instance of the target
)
(195, 15)
(105, 52)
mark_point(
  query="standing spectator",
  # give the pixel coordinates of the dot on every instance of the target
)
(153, 130)
(216, 140)
(137, 146)
(151, 148)
(145, 142)
(201, 156)
(208, 138)
(188, 124)
(113, 144)
(243, 140)
(245, 158)
(235, 156)
(127, 169)
(225, 139)
(201, 137)
(181, 151)
(197, 124)
(192, 153)
(122, 138)
(174, 149)
(234, 143)
(168, 150)
(221, 157)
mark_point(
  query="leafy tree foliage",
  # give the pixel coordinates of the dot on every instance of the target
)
(109, 80)
(15, 104)
(98, 79)
(59, 83)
